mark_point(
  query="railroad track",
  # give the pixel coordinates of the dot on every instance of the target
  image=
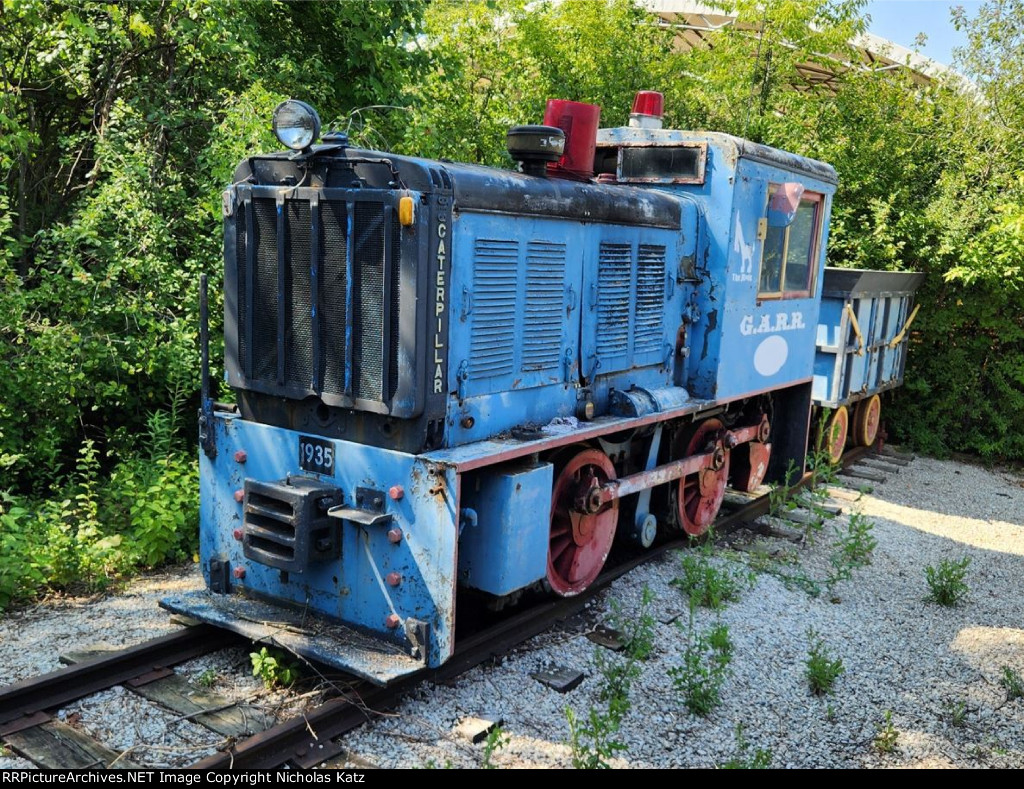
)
(312, 737)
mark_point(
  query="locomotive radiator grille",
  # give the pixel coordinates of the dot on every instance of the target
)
(319, 297)
(241, 254)
(368, 293)
(264, 315)
(298, 301)
(333, 294)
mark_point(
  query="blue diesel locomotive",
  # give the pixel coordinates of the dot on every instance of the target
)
(453, 379)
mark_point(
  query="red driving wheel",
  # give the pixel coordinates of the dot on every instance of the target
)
(699, 496)
(579, 542)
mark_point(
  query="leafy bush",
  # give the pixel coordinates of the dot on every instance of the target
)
(22, 553)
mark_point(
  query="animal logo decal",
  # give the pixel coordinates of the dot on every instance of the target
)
(746, 254)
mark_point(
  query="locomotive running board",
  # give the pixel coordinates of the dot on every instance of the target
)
(312, 637)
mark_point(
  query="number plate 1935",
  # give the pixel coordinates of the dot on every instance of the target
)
(316, 455)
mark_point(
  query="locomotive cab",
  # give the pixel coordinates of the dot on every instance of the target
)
(764, 218)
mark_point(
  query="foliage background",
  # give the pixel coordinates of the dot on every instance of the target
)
(120, 124)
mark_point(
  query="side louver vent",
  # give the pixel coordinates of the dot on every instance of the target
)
(545, 303)
(630, 306)
(495, 269)
(615, 272)
(649, 325)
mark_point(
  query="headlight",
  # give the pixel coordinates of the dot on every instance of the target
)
(296, 124)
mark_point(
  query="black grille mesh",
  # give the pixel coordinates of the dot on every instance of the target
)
(264, 327)
(371, 297)
(368, 300)
(396, 304)
(333, 284)
(241, 237)
(298, 339)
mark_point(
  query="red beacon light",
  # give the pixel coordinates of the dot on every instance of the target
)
(648, 109)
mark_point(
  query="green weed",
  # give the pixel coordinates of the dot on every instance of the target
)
(853, 550)
(946, 584)
(496, 740)
(819, 461)
(705, 668)
(273, 668)
(745, 757)
(886, 735)
(1012, 684)
(779, 497)
(207, 679)
(955, 713)
(822, 669)
(593, 740)
(637, 630)
(709, 586)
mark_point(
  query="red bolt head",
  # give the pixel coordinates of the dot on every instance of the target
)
(238, 572)
(240, 495)
(394, 579)
(241, 456)
(396, 492)
(237, 534)
(392, 621)
(395, 536)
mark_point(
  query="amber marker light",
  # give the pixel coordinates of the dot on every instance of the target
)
(406, 211)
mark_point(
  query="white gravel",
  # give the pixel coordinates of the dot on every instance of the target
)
(901, 654)
(33, 639)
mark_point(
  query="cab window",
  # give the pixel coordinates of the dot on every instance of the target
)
(789, 254)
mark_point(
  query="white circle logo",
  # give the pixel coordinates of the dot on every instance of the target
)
(771, 354)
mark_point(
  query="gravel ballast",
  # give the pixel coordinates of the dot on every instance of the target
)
(935, 670)
(901, 654)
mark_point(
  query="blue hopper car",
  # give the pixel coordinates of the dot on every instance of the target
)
(862, 342)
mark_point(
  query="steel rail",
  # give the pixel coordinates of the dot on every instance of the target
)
(25, 700)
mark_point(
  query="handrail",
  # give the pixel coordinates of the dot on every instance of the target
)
(906, 326)
(856, 329)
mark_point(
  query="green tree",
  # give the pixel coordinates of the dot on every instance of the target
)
(119, 126)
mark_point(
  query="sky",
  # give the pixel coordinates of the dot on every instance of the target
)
(901, 20)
